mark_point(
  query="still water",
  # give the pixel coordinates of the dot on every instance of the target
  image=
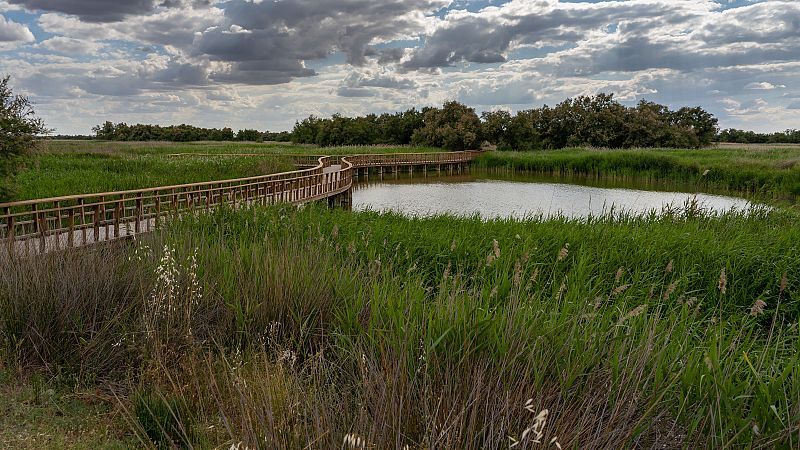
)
(492, 196)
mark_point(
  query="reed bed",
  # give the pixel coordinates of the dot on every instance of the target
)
(281, 327)
(766, 172)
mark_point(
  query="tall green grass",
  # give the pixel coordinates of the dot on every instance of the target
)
(764, 172)
(63, 168)
(53, 175)
(281, 328)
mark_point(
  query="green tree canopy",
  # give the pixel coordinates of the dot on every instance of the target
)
(19, 127)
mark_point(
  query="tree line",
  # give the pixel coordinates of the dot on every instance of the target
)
(181, 133)
(790, 136)
(597, 121)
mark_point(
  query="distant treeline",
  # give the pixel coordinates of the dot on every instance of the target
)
(751, 137)
(597, 121)
(68, 137)
(181, 133)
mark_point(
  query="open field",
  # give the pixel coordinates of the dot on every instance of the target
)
(283, 327)
(269, 148)
(766, 171)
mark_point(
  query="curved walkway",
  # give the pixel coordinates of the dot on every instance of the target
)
(53, 223)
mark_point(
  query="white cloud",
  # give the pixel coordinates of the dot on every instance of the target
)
(763, 86)
(191, 61)
(70, 46)
(11, 31)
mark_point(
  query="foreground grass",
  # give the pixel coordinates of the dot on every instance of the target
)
(36, 414)
(763, 170)
(282, 328)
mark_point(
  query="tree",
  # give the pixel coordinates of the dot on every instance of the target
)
(454, 127)
(495, 128)
(105, 131)
(248, 135)
(698, 122)
(19, 127)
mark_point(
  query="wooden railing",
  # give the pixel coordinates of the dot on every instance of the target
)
(75, 220)
(405, 159)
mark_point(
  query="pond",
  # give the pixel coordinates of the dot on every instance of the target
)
(498, 196)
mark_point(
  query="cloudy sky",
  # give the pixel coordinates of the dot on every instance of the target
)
(266, 63)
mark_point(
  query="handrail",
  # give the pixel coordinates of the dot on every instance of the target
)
(158, 188)
(81, 219)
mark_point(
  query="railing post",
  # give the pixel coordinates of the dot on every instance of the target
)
(71, 222)
(158, 208)
(57, 223)
(82, 219)
(9, 228)
(117, 218)
(41, 227)
(97, 222)
(138, 215)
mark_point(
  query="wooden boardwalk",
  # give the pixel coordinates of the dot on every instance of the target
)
(42, 225)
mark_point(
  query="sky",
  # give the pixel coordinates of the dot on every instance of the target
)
(264, 64)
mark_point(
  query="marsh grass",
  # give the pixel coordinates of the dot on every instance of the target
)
(52, 175)
(767, 172)
(84, 167)
(327, 328)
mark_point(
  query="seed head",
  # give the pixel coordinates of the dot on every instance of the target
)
(517, 273)
(561, 291)
(620, 289)
(354, 441)
(496, 248)
(489, 259)
(633, 313)
(670, 266)
(758, 308)
(784, 282)
(618, 275)
(563, 253)
(670, 289)
(723, 282)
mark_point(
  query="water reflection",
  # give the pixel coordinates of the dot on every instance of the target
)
(519, 196)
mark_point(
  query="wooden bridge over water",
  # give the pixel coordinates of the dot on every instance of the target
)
(42, 225)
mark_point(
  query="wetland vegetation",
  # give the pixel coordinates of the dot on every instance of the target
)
(287, 327)
(284, 327)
